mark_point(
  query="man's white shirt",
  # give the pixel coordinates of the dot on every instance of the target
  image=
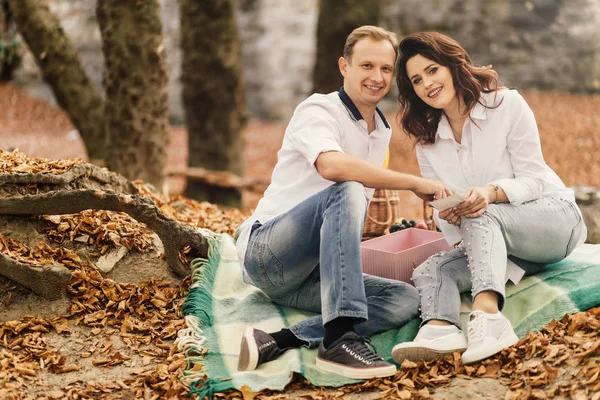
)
(320, 124)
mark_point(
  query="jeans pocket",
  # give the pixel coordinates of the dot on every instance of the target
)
(263, 266)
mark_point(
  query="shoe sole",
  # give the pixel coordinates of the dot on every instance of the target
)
(248, 359)
(419, 354)
(492, 350)
(355, 373)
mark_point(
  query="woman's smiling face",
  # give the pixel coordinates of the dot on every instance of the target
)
(432, 82)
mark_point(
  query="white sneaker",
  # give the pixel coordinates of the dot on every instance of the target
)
(431, 342)
(488, 334)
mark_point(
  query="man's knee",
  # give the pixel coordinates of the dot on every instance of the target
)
(353, 194)
(351, 188)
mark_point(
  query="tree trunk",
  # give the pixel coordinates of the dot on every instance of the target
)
(81, 187)
(337, 18)
(9, 56)
(135, 79)
(213, 94)
(62, 70)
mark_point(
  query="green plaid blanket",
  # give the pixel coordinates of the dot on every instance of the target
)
(220, 305)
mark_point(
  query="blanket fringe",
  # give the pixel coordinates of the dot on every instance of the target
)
(198, 312)
(208, 387)
(192, 336)
(204, 270)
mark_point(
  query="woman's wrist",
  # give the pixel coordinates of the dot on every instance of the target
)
(493, 192)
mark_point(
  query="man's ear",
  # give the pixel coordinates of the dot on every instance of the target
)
(342, 63)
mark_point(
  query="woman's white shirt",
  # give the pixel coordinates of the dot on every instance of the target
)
(500, 146)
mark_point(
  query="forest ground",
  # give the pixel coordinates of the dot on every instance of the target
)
(90, 360)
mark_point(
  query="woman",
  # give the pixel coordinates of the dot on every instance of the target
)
(481, 139)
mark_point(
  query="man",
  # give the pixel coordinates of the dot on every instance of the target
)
(301, 246)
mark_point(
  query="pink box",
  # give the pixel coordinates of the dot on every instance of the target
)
(396, 255)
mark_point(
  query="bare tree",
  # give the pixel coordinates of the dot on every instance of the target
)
(63, 71)
(337, 18)
(213, 94)
(135, 80)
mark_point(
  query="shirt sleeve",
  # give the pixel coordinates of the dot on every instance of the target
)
(314, 130)
(451, 232)
(525, 152)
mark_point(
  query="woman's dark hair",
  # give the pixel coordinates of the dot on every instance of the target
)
(420, 120)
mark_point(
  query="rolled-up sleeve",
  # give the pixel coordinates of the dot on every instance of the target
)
(451, 232)
(525, 152)
(313, 130)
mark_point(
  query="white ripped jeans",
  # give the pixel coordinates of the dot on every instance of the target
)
(532, 234)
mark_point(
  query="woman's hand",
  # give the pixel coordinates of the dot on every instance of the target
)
(429, 190)
(475, 203)
(450, 216)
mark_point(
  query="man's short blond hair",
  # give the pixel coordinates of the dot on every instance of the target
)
(370, 31)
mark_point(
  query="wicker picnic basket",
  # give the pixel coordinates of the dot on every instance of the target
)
(383, 210)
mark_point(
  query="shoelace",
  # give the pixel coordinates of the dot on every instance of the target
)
(365, 349)
(475, 328)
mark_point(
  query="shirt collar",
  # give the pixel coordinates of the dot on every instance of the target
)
(478, 112)
(353, 110)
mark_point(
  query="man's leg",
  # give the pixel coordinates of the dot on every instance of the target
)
(322, 232)
(325, 232)
(391, 304)
(283, 260)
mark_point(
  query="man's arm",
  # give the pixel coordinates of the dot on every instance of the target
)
(340, 167)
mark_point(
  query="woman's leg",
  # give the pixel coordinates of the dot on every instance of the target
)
(541, 231)
(439, 280)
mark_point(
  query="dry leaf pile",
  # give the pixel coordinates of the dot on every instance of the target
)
(17, 162)
(146, 317)
(41, 254)
(107, 230)
(194, 213)
(101, 228)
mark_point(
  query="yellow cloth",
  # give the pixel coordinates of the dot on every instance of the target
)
(386, 160)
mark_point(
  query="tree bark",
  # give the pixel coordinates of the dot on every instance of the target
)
(174, 235)
(213, 94)
(62, 70)
(48, 281)
(337, 18)
(135, 80)
(9, 55)
(82, 187)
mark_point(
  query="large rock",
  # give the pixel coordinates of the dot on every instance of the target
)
(588, 199)
(545, 44)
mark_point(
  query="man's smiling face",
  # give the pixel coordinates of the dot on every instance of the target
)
(368, 73)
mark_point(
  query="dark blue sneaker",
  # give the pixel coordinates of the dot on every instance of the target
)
(354, 357)
(257, 348)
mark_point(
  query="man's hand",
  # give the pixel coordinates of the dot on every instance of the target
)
(475, 203)
(429, 190)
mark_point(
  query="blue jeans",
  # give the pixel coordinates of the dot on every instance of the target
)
(532, 235)
(309, 258)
